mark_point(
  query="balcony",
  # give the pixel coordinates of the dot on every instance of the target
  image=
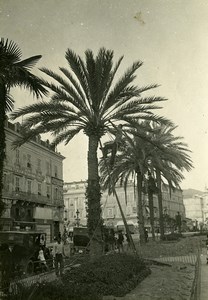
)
(24, 196)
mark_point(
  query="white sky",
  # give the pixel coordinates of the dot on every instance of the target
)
(169, 36)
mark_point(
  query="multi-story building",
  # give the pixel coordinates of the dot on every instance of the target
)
(196, 206)
(75, 208)
(32, 185)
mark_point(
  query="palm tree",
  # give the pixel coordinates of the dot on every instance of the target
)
(13, 72)
(168, 160)
(157, 153)
(129, 163)
(86, 99)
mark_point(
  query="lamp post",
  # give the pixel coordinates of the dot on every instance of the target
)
(77, 218)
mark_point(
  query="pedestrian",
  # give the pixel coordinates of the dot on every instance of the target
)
(6, 266)
(146, 235)
(42, 260)
(128, 242)
(58, 254)
(120, 241)
(111, 240)
(206, 241)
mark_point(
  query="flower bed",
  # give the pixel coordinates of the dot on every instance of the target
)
(114, 274)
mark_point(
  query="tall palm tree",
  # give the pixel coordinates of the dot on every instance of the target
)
(13, 72)
(130, 163)
(168, 160)
(157, 153)
(85, 98)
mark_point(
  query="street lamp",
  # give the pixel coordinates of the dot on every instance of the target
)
(77, 218)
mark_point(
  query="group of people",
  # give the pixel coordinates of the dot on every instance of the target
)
(114, 241)
(57, 257)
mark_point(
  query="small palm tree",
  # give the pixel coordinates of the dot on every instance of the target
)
(13, 72)
(86, 99)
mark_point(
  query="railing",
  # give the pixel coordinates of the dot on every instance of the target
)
(24, 196)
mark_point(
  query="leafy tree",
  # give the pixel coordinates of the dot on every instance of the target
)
(13, 72)
(85, 98)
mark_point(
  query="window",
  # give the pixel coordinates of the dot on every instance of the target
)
(5, 182)
(39, 164)
(17, 156)
(17, 212)
(39, 188)
(56, 193)
(110, 212)
(17, 184)
(47, 168)
(56, 171)
(128, 210)
(29, 186)
(28, 160)
(48, 191)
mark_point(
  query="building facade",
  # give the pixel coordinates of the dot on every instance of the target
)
(32, 185)
(75, 207)
(196, 207)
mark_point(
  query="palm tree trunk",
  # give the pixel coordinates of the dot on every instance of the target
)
(125, 222)
(151, 208)
(160, 204)
(93, 196)
(140, 207)
(2, 141)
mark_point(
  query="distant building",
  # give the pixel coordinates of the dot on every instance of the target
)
(196, 206)
(74, 200)
(33, 185)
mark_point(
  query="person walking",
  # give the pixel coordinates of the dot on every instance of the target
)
(111, 239)
(146, 235)
(58, 254)
(42, 260)
(120, 242)
(128, 242)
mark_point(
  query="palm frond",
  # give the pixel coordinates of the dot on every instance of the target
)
(125, 80)
(78, 67)
(28, 63)
(9, 102)
(66, 136)
(10, 53)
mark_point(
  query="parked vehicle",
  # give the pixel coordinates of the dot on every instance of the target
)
(24, 247)
(131, 226)
(80, 239)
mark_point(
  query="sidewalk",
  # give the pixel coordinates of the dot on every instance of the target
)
(204, 276)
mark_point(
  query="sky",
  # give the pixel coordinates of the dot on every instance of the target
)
(169, 36)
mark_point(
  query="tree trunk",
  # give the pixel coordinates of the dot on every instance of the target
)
(125, 222)
(160, 205)
(2, 141)
(151, 208)
(93, 195)
(140, 207)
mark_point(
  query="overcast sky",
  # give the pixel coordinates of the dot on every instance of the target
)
(170, 37)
